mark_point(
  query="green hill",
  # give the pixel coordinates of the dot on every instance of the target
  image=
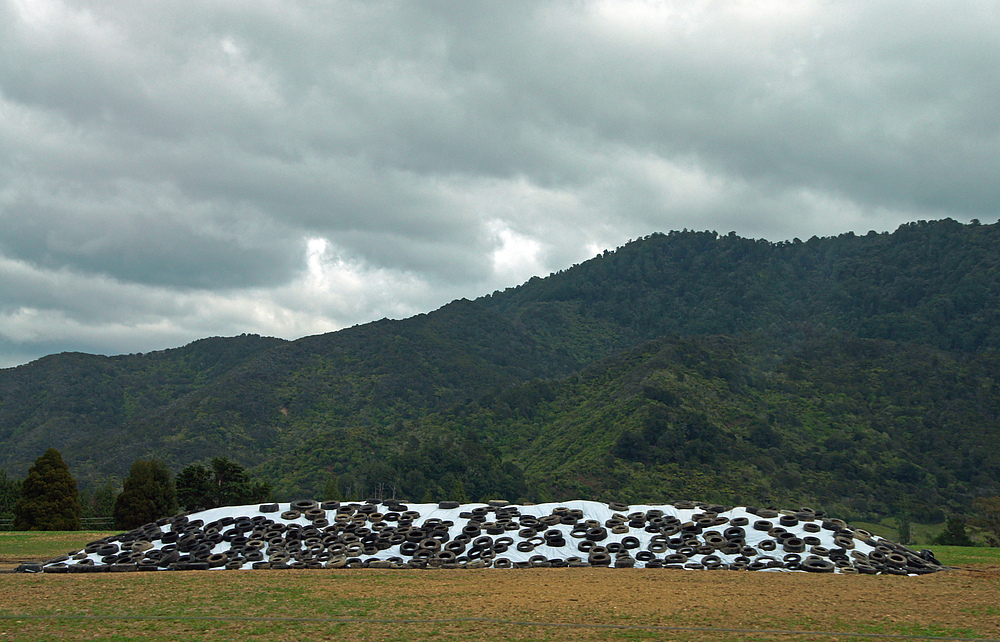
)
(856, 371)
(862, 426)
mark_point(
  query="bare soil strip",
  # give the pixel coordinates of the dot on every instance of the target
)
(550, 604)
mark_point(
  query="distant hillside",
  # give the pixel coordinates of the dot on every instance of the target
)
(935, 283)
(861, 426)
(416, 398)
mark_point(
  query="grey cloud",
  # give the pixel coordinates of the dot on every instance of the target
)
(186, 153)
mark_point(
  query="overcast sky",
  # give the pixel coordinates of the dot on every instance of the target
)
(176, 170)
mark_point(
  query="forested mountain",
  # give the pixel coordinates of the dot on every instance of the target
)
(860, 426)
(854, 370)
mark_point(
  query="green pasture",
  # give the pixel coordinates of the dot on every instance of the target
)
(43, 545)
(398, 605)
(921, 534)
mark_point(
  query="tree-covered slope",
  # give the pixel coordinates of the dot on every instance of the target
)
(422, 400)
(865, 426)
(255, 402)
(936, 283)
(90, 407)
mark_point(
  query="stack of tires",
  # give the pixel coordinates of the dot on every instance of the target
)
(392, 534)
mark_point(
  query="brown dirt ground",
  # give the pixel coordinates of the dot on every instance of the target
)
(550, 604)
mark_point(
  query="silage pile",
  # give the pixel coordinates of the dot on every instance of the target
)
(391, 534)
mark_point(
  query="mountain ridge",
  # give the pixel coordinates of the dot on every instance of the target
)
(375, 388)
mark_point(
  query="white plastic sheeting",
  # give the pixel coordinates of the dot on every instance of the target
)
(758, 549)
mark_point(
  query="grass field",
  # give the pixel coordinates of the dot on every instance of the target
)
(536, 604)
(42, 545)
(921, 534)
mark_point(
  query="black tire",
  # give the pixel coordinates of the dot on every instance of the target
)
(817, 565)
(788, 520)
(865, 569)
(658, 546)
(430, 544)
(455, 546)
(844, 542)
(731, 547)
(734, 532)
(599, 559)
(715, 540)
(794, 545)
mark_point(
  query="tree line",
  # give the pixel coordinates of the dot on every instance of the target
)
(49, 499)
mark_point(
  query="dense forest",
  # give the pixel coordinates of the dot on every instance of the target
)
(855, 373)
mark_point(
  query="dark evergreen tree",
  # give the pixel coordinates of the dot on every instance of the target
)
(194, 488)
(49, 498)
(100, 501)
(331, 490)
(232, 486)
(148, 494)
(987, 517)
(10, 491)
(903, 529)
(954, 534)
(225, 484)
(104, 498)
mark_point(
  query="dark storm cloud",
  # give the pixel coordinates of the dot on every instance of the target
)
(171, 171)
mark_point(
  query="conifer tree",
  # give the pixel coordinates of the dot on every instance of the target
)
(225, 484)
(954, 534)
(10, 491)
(49, 498)
(195, 488)
(331, 490)
(148, 494)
